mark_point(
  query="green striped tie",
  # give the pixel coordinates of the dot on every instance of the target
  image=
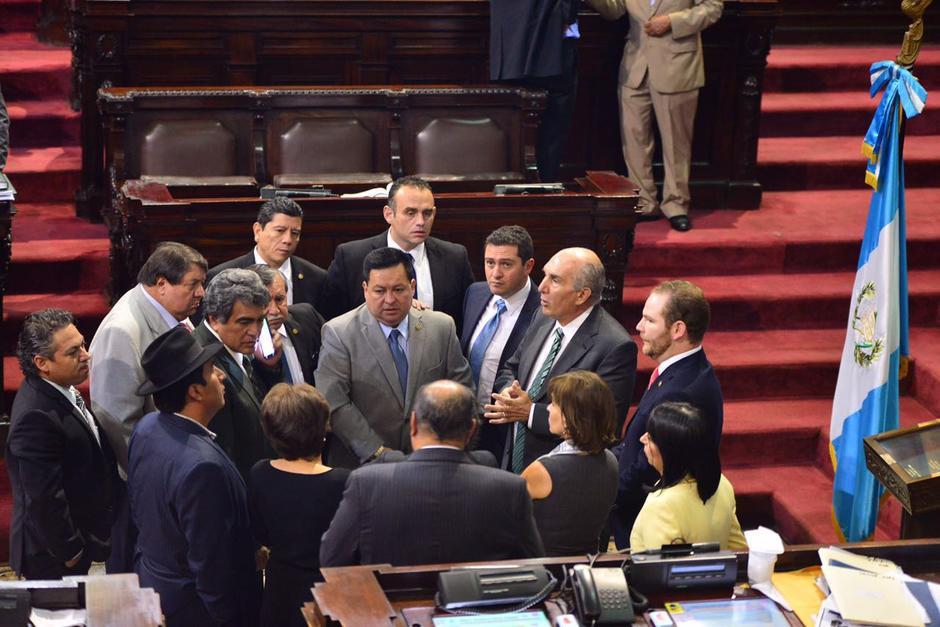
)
(535, 391)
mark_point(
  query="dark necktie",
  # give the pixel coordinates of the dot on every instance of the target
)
(83, 410)
(401, 360)
(535, 391)
(483, 340)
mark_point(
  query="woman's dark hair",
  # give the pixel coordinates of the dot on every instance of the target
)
(682, 436)
(588, 406)
(294, 419)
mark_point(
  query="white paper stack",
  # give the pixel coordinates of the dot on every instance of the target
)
(868, 591)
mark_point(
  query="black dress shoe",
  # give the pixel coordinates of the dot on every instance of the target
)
(648, 217)
(680, 223)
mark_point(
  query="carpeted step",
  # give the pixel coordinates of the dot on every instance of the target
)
(18, 15)
(37, 222)
(798, 163)
(838, 68)
(790, 431)
(45, 174)
(803, 231)
(925, 348)
(30, 70)
(39, 123)
(802, 500)
(815, 114)
(786, 301)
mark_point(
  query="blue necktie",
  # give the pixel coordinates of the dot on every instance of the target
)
(401, 360)
(483, 340)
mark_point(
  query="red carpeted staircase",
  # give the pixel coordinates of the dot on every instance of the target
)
(779, 281)
(778, 278)
(58, 260)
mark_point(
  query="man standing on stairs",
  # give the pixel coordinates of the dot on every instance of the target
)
(62, 471)
(661, 73)
(169, 290)
(672, 327)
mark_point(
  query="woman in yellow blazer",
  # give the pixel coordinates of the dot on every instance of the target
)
(692, 501)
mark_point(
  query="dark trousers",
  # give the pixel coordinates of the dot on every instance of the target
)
(123, 536)
(559, 109)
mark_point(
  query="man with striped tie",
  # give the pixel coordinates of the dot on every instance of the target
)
(572, 333)
(497, 313)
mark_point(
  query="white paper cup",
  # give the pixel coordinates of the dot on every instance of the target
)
(760, 566)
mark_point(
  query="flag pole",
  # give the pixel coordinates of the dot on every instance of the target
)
(910, 48)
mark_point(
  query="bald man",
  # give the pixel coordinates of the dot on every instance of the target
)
(571, 333)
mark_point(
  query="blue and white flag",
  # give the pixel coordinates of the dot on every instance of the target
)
(876, 340)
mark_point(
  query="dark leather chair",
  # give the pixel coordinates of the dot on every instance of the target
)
(189, 148)
(464, 148)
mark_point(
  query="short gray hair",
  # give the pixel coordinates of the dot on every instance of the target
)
(593, 277)
(265, 272)
(36, 337)
(234, 284)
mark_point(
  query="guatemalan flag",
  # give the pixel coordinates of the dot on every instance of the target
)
(876, 342)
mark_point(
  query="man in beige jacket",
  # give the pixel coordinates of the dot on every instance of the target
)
(661, 72)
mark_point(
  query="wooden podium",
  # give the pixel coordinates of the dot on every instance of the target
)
(907, 462)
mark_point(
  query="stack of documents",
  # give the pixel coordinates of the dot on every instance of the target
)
(6, 188)
(870, 591)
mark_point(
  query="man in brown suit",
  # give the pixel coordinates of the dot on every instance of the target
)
(661, 72)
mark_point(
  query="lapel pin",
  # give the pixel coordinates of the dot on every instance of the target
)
(295, 331)
(300, 275)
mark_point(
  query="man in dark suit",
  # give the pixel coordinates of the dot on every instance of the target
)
(236, 302)
(62, 471)
(188, 501)
(497, 313)
(675, 318)
(437, 505)
(277, 233)
(442, 269)
(535, 43)
(295, 333)
(573, 333)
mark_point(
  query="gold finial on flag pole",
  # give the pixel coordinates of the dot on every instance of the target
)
(910, 47)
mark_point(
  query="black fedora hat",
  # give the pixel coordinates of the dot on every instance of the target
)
(171, 357)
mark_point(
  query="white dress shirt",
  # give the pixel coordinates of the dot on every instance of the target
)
(290, 356)
(69, 393)
(507, 322)
(422, 270)
(668, 362)
(285, 271)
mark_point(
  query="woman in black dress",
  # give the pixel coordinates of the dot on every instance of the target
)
(574, 486)
(293, 499)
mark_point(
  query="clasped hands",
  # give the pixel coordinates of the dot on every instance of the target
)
(511, 405)
(658, 26)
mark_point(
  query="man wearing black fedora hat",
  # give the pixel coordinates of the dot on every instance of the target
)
(187, 498)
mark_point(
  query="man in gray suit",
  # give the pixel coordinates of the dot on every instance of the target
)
(438, 505)
(375, 357)
(169, 290)
(573, 333)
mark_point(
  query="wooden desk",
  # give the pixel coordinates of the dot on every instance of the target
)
(597, 213)
(119, 43)
(384, 595)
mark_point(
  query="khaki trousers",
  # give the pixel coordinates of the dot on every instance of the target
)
(675, 116)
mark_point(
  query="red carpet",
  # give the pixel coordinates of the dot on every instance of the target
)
(779, 279)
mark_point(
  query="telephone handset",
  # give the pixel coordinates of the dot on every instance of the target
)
(601, 595)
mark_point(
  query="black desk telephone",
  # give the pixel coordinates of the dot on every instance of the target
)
(601, 595)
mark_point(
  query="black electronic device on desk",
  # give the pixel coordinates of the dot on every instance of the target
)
(523, 586)
(601, 596)
(317, 191)
(681, 566)
(505, 189)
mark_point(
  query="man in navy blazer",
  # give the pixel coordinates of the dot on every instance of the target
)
(187, 498)
(442, 269)
(496, 314)
(62, 470)
(438, 505)
(675, 318)
(572, 333)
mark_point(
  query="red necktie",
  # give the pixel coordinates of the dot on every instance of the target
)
(653, 377)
